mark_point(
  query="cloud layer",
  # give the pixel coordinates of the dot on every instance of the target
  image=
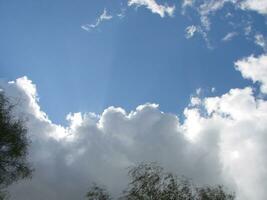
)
(221, 140)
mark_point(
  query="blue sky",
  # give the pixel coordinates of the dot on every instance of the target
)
(85, 71)
(138, 58)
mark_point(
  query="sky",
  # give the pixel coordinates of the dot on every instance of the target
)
(107, 84)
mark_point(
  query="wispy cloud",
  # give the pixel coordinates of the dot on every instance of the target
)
(229, 36)
(122, 13)
(154, 7)
(190, 31)
(187, 3)
(261, 41)
(103, 17)
(208, 8)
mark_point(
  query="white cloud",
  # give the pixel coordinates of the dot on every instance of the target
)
(190, 31)
(241, 149)
(154, 7)
(208, 8)
(211, 6)
(229, 36)
(198, 91)
(195, 101)
(261, 41)
(187, 3)
(254, 68)
(205, 8)
(222, 140)
(259, 6)
(103, 17)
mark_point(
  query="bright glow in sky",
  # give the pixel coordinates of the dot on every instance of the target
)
(106, 84)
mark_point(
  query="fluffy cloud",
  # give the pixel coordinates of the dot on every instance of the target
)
(259, 6)
(254, 68)
(223, 136)
(242, 153)
(154, 7)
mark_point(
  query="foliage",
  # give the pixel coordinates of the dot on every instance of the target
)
(148, 181)
(13, 146)
(4, 195)
(214, 193)
(97, 193)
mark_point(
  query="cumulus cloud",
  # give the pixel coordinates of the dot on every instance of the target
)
(242, 153)
(254, 68)
(103, 17)
(154, 7)
(221, 140)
